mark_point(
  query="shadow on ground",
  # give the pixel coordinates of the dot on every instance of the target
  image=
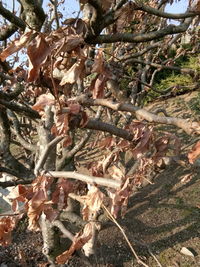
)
(161, 219)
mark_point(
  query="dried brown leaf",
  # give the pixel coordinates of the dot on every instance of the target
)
(79, 241)
(107, 142)
(61, 127)
(93, 201)
(16, 45)
(143, 144)
(60, 195)
(37, 52)
(194, 153)
(125, 15)
(74, 73)
(43, 101)
(7, 224)
(195, 6)
(99, 63)
(97, 86)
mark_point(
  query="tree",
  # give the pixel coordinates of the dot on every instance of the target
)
(85, 84)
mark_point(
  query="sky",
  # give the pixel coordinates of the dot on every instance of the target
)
(178, 7)
(71, 7)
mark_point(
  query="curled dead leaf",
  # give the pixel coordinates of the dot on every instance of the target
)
(16, 45)
(43, 101)
(37, 52)
(74, 73)
(93, 201)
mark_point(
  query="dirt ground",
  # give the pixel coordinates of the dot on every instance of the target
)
(161, 219)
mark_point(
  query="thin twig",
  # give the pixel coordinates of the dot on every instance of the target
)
(125, 236)
(62, 228)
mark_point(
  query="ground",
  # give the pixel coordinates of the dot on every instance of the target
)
(161, 219)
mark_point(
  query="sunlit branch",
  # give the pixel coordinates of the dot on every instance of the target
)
(142, 114)
(85, 178)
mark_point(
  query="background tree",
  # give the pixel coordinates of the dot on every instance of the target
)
(64, 79)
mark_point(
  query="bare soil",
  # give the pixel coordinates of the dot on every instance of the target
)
(161, 218)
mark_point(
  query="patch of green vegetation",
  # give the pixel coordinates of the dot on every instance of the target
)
(173, 80)
(166, 79)
(192, 63)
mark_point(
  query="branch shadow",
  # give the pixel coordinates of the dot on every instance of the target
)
(160, 216)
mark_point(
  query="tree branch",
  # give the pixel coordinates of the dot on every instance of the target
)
(70, 154)
(85, 178)
(11, 17)
(18, 89)
(106, 127)
(9, 171)
(141, 37)
(188, 126)
(5, 154)
(162, 14)
(14, 183)
(19, 108)
(10, 30)
(16, 131)
(45, 153)
(73, 151)
(34, 14)
(62, 228)
(96, 5)
(141, 52)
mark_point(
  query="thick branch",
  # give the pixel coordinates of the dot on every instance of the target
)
(45, 153)
(19, 108)
(11, 17)
(141, 37)
(86, 178)
(16, 131)
(14, 183)
(106, 127)
(96, 5)
(9, 171)
(188, 126)
(62, 228)
(12, 95)
(34, 14)
(70, 154)
(5, 153)
(10, 30)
